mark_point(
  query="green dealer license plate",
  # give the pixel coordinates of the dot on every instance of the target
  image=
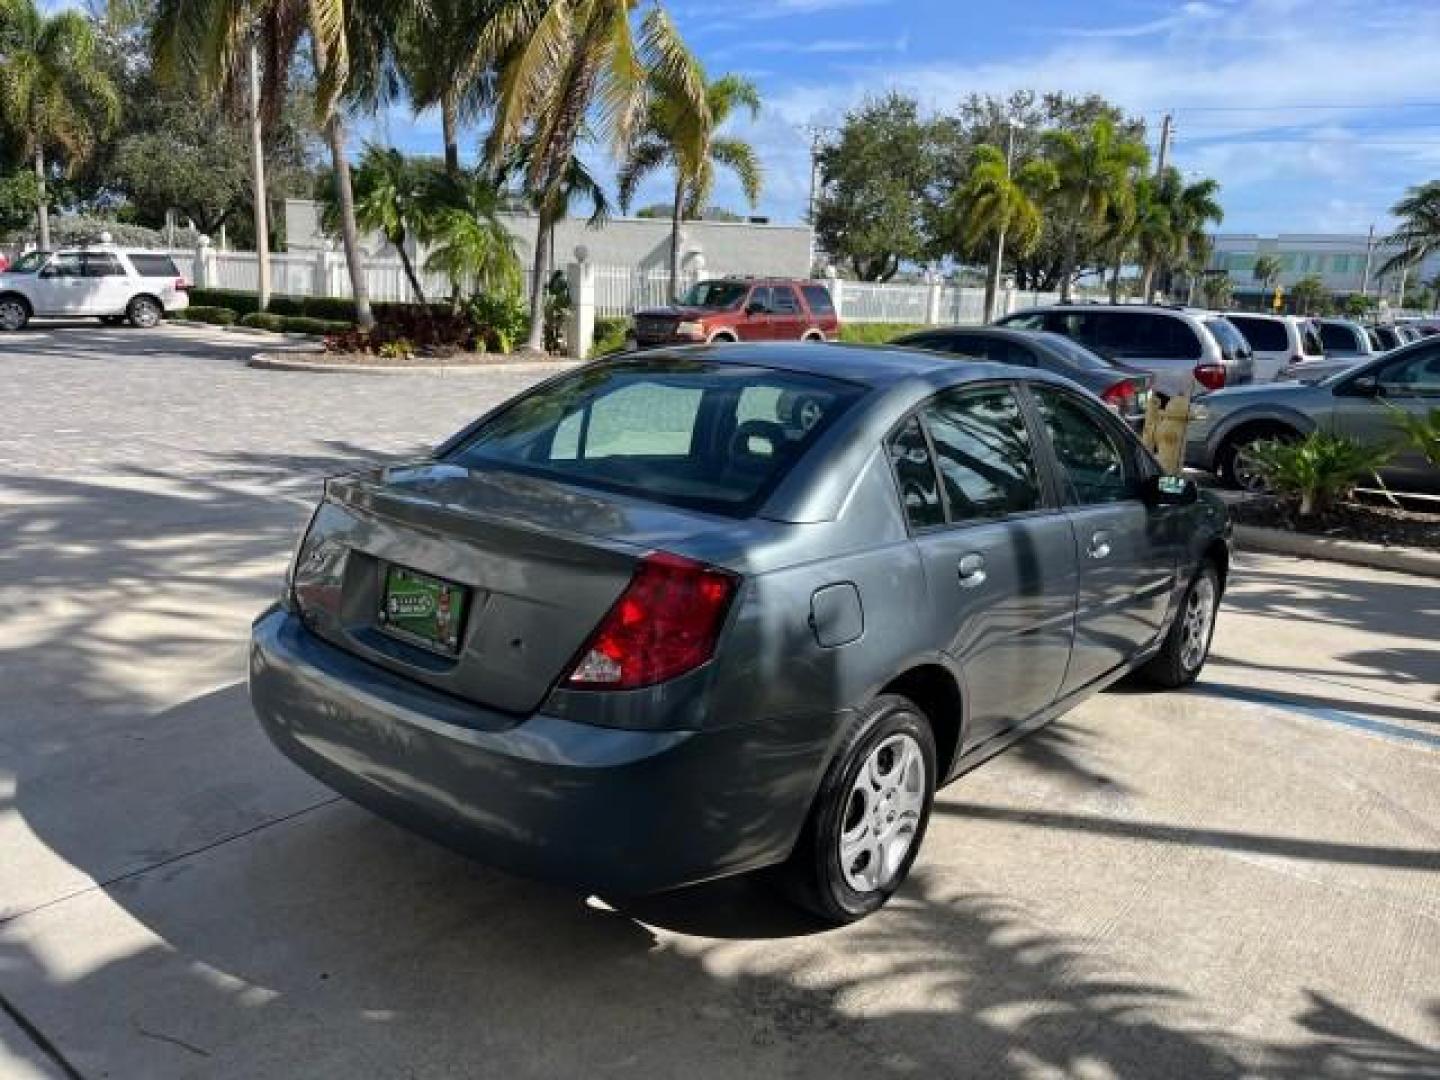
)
(423, 609)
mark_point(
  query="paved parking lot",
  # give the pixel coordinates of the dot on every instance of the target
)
(1239, 880)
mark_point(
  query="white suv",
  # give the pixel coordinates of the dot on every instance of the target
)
(105, 281)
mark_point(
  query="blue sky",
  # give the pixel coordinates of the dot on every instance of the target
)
(1314, 116)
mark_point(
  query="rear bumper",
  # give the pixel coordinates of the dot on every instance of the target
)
(600, 808)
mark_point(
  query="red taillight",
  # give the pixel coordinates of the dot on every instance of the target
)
(181, 285)
(1210, 376)
(665, 623)
(1120, 397)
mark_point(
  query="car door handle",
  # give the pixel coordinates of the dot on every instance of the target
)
(1099, 545)
(972, 570)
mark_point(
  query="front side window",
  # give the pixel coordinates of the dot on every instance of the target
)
(759, 301)
(717, 437)
(28, 263)
(783, 300)
(1090, 455)
(983, 449)
(714, 295)
(915, 476)
(1417, 375)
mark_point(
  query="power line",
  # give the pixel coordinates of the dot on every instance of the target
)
(1306, 106)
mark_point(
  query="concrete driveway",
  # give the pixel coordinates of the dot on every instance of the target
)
(1239, 880)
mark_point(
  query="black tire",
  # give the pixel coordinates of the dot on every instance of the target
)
(813, 877)
(722, 338)
(111, 320)
(144, 312)
(14, 312)
(1175, 665)
(1234, 446)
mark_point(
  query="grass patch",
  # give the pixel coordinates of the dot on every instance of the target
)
(876, 333)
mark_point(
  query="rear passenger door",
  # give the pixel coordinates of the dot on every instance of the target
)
(755, 323)
(108, 286)
(787, 321)
(1127, 553)
(999, 556)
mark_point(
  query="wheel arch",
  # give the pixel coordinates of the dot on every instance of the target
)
(1260, 418)
(145, 296)
(12, 294)
(936, 691)
(725, 335)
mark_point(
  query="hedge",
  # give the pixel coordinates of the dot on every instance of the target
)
(293, 324)
(330, 308)
(220, 316)
(877, 333)
(610, 335)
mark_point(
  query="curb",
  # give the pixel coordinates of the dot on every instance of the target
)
(1351, 552)
(196, 324)
(290, 362)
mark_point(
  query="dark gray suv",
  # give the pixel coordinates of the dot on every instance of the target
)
(681, 615)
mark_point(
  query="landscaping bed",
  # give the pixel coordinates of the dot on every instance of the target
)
(411, 360)
(1383, 525)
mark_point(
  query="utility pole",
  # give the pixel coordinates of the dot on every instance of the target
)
(1147, 273)
(818, 136)
(992, 285)
(257, 161)
(1369, 254)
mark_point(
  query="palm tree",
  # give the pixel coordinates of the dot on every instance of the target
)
(1094, 170)
(565, 65)
(392, 197)
(1419, 234)
(52, 91)
(675, 136)
(995, 202)
(1267, 271)
(1172, 224)
(207, 41)
(470, 241)
(440, 59)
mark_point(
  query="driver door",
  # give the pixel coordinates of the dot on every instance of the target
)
(60, 285)
(1410, 384)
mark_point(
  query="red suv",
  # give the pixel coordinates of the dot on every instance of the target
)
(741, 309)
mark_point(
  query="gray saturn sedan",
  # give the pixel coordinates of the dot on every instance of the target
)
(670, 617)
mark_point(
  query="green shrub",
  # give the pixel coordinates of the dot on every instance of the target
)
(306, 325)
(334, 308)
(1421, 432)
(500, 319)
(262, 320)
(242, 303)
(219, 316)
(289, 306)
(875, 333)
(1317, 469)
(610, 335)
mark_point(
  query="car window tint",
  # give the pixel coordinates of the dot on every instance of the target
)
(1077, 355)
(1337, 338)
(1027, 321)
(1232, 343)
(1090, 455)
(974, 347)
(915, 475)
(1267, 335)
(984, 453)
(818, 297)
(714, 436)
(782, 297)
(760, 299)
(154, 265)
(102, 265)
(1418, 373)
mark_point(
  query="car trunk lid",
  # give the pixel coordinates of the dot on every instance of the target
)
(540, 565)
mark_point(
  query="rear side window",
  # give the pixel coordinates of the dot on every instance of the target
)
(1028, 321)
(98, 264)
(1232, 343)
(983, 449)
(1267, 335)
(818, 297)
(783, 300)
(1091, 456)
(154, 265)
(716, 437)
(915, 476)
(1310, 343)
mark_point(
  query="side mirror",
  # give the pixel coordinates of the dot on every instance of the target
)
(1169, 491)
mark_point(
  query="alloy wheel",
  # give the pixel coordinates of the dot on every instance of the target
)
(1198, 617)
(12, 315)
(882, 814)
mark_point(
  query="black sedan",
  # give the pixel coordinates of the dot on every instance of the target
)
(1120, 386)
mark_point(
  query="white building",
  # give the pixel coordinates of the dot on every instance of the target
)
(1337, 259)
(708, 247)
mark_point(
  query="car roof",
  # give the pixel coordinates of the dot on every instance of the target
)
(1177, 310)
(869, 365)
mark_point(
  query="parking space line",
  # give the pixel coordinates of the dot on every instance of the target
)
(1318, 712)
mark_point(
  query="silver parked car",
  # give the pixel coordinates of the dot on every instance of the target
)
(699, 611)
(1277, 341)
(1360, 401)
(1184, 348)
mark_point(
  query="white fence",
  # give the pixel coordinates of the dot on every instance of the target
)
(619, 290)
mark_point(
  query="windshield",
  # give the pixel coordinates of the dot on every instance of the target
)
(716, 437)
(716, 295)
(29, 262)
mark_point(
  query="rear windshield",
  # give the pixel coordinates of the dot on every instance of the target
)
(154, 265)
(818, 297)
(719, 295)
(1232, 343)
(1077, 354)
(1267, 335)
(715, 437)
